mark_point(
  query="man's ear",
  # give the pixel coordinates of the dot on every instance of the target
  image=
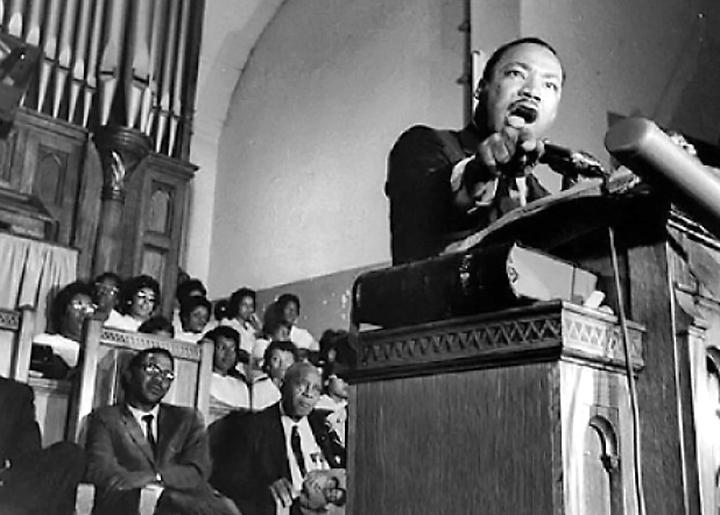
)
(480, 89)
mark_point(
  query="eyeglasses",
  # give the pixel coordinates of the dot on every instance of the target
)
(150, 297)
(82, 306)
(154, 370)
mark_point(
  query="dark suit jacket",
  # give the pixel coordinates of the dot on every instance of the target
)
(39, 481)
(423, 219)
(19, 433)
(116, 446)
(249, 465)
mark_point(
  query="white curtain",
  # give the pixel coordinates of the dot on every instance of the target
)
(31, 272)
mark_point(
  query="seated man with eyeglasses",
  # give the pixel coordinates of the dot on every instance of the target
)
(140, 442)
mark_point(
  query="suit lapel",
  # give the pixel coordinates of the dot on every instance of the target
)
(136, 434)
(166, 426)
(276, 445)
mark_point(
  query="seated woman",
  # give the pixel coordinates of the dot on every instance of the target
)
(337, 357)
(70, 307)
(273, 330)
(106, 295)
(194, 317)
(227, 390)
(157, 325)
(139, 296)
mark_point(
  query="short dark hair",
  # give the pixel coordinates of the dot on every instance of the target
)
(286, 298)
(281, 345)
(189, 304)
(157, 323)
(272, 319)
(64, 297)
(108, 275)
(236, 298)
(134, 285)
(183, 289)
(223, 331)
(137, 360)
(220, 310)
(503, 49)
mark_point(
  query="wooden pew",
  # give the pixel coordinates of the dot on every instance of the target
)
(16, 328)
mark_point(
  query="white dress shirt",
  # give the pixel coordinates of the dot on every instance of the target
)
(230, 391)
(138, 415)
(312, 455)
(67, 349)
(263, 393)
(303, 339)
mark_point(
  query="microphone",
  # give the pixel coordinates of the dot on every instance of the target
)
(571, 163)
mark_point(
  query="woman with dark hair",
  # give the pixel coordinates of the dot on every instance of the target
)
(54, 353)
(139, 297)
(289, 307)
(273, 330)
(106, 294)
(157, 325)
(227, 389)
(194, 317)
(241, 317)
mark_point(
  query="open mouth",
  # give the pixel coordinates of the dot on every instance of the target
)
(527, 112)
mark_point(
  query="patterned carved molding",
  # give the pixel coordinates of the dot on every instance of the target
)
(545, 331)
(9, 320)
(139, 341)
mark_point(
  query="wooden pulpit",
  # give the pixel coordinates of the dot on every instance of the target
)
(527, 410)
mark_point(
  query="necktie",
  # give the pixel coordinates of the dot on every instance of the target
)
(297, 449)
(149, 432)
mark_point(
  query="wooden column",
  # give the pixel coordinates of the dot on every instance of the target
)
(121, 150)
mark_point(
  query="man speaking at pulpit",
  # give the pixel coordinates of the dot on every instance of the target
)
(443, 185)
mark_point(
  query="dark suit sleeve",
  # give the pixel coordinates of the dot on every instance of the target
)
(241, 473)
(421, 202)
(26, 434)
(103, 469)
(191, 466)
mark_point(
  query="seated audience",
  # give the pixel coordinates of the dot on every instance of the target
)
(69, 309)
(186, 289)
(289, 306)
(194, 317)
(265, 389)
(139, 297)
(157, 325)
(142, 442)
(283, 444)
(227, 390)
(33, 480)
(106, 295)
(242, 317)
(273, 330)
(333, 402)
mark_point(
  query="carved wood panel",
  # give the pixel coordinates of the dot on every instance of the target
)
(155, 212)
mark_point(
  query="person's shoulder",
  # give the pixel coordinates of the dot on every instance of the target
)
(108, 415)
(418, 132)
(14, 389)
(179, 411)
